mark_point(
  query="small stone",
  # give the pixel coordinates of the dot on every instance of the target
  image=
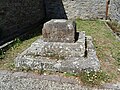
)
(58, 65)
(60, 47)
(119, 69)
(44, 74)
(75, 63)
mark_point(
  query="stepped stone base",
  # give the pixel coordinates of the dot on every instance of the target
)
(62, 57)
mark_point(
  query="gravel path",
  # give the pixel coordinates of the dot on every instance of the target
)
(29, 81)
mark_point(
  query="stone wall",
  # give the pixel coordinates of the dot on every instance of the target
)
(85, 9)
(15, 15)
(114, 12)
(18, 14)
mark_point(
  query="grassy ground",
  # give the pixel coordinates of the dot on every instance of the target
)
(114, 25)
(19, 45)
(108, 48)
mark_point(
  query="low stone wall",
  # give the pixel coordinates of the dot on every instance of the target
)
(85, 9)
(114, 12)
(18, 14)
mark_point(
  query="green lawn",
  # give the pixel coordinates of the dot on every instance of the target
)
(114, 25)
(107, 46)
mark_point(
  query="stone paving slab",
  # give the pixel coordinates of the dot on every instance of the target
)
(29, 81)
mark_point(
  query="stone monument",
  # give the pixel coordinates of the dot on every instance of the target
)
(60, 49)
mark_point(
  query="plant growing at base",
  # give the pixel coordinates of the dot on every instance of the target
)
(92, 78)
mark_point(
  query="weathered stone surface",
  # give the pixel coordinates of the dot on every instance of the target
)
(59, 30)
(23, 81)
(48, 56)
(111, 86)
(30, 81)
(114, 13)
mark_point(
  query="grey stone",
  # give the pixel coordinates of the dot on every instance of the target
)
(51, 78)
(33, 75)
(48, 82)
(54, 52)
(19, 74)
(48, 56)
(68, 80)
(112, 86)
(59, 30)
(114, 12)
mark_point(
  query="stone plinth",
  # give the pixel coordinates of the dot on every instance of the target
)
(59, 30)
(58, 50)
(57, 56)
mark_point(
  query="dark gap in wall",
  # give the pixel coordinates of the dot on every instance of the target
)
(86, 48)
(55, 9)
(76, 36)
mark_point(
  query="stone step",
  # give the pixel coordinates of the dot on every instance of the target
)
(71, 64)
(41, 48)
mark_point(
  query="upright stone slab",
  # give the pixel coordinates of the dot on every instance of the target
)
(59, 30)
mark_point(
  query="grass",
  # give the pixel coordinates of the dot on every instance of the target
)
(8, 54)
(106, 45)
(70, 74)
(90, 77)
(114, 25)
(93, 78)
